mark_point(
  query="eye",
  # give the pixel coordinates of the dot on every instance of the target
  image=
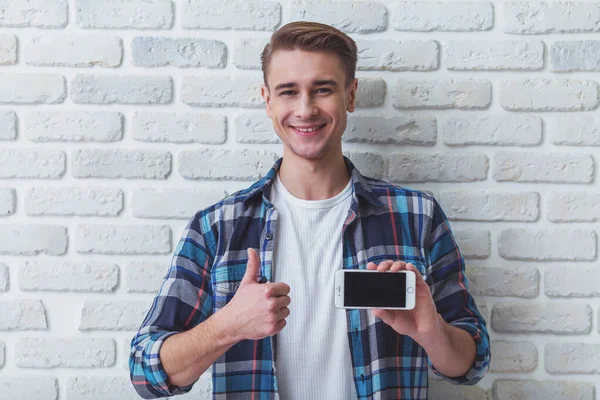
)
(323, 90)
(287, 93)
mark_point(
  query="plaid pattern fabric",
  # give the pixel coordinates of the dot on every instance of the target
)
(384, 222)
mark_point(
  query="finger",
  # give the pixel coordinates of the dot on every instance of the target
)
(276, 289)
(384, 266)
(411, 267)
(282, 301)
(371, 265)
(279, 326)
(385, 315)
(252, 267)
(283, 313)
(398, 266)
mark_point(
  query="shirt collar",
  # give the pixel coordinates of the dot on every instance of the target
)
(359, 184)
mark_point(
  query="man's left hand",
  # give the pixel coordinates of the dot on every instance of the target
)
(420, 323)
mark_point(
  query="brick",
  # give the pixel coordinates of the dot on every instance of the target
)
(179, 128)
(347, 16)
(497, 130)
(555, 318)
(63, 276)
(249, 14)
(29, 387)
(172, 203)
(513, 356)
(8, 49)
(490, 206)
(574, 131)
(126, 89)
(551, 17)
(543, 167)
(507, 282)
(228, 164)
(74, 51)
(547, 390)
(88, 201)
(458, 16)
(125, 14)
(440, 390)
(22, 315)
(418, 130)
(546, 245)
(33, 239)
(178, 52)
(572, 358)
(4, 278)
(371, 92)
(442, 94)
(123, 239)
(65, 352)
(255, 128)
(480, 55)
(438, 167)
(101, 388)
(569, 56)
(549, 95)
(222, 91)
(34, 14)
(572, 282)
(74, 126)
(8, 125)
(8, 201)
(473, 243)
(394, 55)
(131, 164)
(246, 52)
(574, 207)
(117, 315)
(145, 276)
(32, 89)
(37, 164)
(2, 352)
(369, 164)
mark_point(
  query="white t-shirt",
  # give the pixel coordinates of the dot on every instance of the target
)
(312, 352)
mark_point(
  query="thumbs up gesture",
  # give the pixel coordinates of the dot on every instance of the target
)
(257, 310)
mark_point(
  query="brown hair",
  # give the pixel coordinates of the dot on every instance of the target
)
(312, 36)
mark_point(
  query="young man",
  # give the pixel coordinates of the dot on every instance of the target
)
(250, 288)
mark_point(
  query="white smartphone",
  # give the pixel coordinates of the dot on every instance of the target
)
(365, 289)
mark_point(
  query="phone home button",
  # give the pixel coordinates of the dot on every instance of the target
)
(410, 290)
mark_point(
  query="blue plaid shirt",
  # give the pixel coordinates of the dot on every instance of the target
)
(384, 222)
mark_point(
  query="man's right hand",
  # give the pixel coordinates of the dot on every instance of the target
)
(257, 310)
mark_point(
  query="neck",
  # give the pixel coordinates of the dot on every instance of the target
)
(314, 179)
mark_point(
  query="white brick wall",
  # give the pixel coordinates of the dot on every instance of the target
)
(119, 119)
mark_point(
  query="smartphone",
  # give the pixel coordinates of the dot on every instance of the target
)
(365, 289)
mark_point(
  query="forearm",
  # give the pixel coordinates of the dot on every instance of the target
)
(189, 354)
(451, 350)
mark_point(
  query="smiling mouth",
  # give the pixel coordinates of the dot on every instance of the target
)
(308, 131)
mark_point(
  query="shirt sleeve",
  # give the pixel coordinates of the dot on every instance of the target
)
(450, 290)
(183, 301)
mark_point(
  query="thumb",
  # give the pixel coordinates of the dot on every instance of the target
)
(385, 315)
(252, 267)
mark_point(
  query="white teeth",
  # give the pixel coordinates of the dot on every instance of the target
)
(307, 130)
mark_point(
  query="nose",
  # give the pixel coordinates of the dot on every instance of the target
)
(305, 108)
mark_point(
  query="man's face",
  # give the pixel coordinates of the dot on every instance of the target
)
(307, 101)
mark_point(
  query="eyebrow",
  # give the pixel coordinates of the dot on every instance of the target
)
(323, 82)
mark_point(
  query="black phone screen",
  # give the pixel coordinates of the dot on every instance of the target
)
(374, 289)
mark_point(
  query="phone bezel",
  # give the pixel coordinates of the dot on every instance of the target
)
(339, 289)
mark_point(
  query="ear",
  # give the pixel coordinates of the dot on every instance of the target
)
(266, 95)
(352, 95)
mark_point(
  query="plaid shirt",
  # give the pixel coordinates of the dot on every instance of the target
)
(384, 222)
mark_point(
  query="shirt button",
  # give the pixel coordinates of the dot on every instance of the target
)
(362, 377)
(262, 279)
(269, 236)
